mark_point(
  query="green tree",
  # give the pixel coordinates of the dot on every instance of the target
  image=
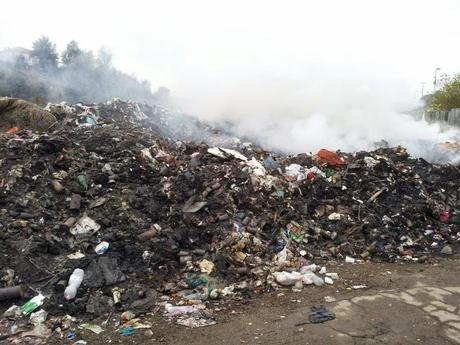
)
(448, 97)
(71, 53)
(45, 52)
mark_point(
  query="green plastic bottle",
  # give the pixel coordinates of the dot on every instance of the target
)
(33, 304)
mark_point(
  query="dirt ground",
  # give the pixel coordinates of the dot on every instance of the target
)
(405, 303)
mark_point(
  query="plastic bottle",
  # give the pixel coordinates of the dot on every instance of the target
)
(180, 310)
(74, 283)
(33, 304)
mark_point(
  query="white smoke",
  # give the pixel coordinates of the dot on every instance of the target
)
(346, 107)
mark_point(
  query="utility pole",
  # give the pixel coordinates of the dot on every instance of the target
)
(435, 78)
(423, 88)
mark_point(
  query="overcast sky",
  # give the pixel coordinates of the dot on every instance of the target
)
(293, 75)
(170, 42)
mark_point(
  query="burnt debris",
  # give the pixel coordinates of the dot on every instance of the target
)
(179, 217)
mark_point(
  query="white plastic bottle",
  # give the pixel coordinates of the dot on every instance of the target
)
(171, 310)
(74, 283)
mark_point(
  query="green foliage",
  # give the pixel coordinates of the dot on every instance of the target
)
(71, 53)
(448, 97)
(81, 77)
(45, 52)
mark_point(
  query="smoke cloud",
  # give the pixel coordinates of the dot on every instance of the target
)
(337, 106)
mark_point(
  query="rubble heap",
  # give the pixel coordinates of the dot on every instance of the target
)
(108, 191)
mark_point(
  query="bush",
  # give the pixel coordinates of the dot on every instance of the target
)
(448, 97)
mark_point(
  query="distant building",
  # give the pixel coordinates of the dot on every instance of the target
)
(12, 54)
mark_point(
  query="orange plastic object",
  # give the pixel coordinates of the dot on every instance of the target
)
(13, 130)
(330, 159)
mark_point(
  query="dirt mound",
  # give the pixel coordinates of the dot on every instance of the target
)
(25, 115)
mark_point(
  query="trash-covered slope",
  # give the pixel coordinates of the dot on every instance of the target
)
(181, 217)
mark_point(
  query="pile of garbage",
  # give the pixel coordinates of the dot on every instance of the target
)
(116, 212)
(163, 122)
